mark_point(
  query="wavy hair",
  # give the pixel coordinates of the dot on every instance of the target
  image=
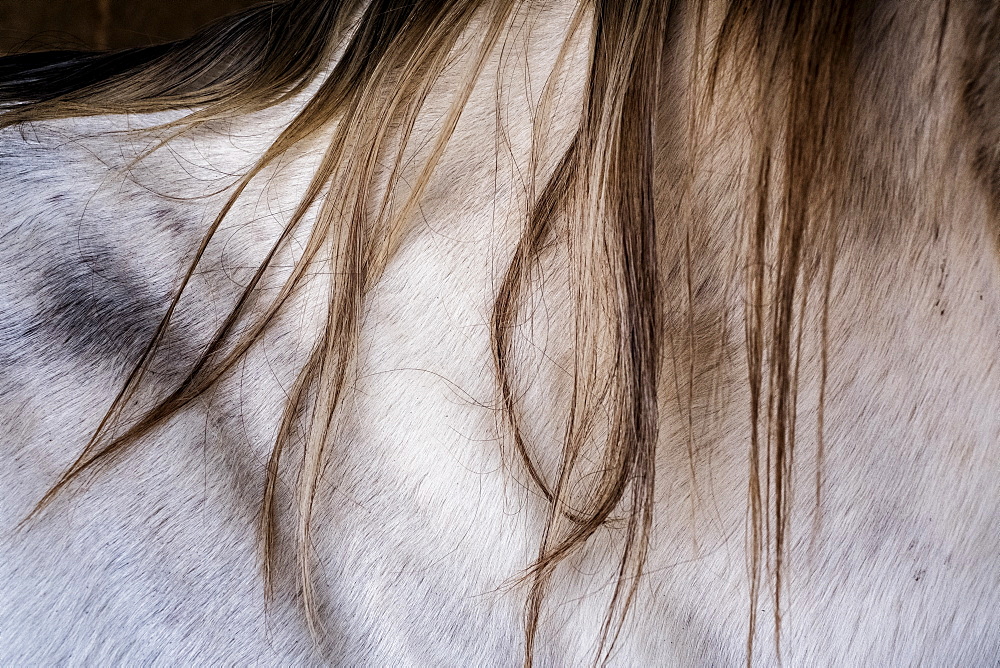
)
(794, 55)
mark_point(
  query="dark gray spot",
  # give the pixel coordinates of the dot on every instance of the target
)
(168, 220)
(95, 306)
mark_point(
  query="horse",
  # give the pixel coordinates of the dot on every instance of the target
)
(498, 332)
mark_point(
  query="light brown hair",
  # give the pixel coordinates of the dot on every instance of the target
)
(796, 55)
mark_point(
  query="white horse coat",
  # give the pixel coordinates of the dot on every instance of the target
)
(422, 529)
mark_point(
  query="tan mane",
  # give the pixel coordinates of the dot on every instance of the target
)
(789, 67)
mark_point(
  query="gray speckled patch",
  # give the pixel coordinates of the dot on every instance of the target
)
(94, 305)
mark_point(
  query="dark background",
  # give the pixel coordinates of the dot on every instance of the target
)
(35, 25)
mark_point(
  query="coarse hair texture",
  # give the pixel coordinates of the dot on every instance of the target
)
(795, 55)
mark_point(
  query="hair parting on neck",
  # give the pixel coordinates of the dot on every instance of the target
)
(795, 54)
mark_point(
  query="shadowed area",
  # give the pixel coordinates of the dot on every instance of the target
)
(103, 24)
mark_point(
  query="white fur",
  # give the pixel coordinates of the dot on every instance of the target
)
(422, 528)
